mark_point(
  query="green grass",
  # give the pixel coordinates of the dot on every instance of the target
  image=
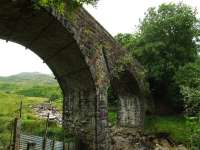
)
(31, 90)
(9, 108)
(175, 126)
(112, 118)
(58, 103)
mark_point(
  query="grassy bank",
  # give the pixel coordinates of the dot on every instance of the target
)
(174, 126)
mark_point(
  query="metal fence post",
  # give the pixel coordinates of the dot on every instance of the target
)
(16, 134)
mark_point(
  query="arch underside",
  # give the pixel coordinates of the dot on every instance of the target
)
(130, 100)
(83, 80)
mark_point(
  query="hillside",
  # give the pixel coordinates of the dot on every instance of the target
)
(31, 84)
(35, 78)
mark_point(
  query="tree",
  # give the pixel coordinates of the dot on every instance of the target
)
(166, 39)
(188, 79)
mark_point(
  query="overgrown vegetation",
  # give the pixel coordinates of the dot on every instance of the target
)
(167, 45)
(175, 126)
(68, 4)
(167, 39)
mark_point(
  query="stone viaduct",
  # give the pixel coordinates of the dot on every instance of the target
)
(85, 60)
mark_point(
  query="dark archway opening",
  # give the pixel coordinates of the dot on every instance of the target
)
(125, 101)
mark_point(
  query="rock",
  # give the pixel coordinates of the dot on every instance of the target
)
(181, 147)
(121, 143)
(159, 147)
(44, 109)
(165, 144)
(143, 147)
(129, 139)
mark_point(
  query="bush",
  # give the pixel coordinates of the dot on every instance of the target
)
(193, 124)
(191, 99)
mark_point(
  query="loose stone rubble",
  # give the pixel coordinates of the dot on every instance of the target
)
(126, 139)
(43, 110)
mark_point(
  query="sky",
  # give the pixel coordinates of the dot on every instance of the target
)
(116, 16)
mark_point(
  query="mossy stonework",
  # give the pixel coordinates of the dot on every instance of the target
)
(86, 60)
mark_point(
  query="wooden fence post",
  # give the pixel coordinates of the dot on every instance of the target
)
(16, 134)
(20, 110)
(11, 135)
(31, 146)
(65, 146)
(44, 145)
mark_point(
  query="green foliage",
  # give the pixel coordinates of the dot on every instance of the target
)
(166, 40)
(37, 127)
(189, 75)
(127, 40)
(61, 4)
(175, 126)
(191, 100)
(40, 91)
(121, 64)
(193, 123)
(188, 79)
(112, 118)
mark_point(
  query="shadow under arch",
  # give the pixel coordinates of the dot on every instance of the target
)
(43, 34)
(130, 100)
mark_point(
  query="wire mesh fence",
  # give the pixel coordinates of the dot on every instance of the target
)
(27, 140)
(31, 142)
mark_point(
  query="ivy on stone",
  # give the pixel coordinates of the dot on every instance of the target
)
(68, 4)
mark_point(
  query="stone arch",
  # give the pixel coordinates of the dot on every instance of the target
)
(43, 33)
(131, 101)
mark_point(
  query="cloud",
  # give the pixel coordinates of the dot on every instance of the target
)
(122, 16)
(15, 59)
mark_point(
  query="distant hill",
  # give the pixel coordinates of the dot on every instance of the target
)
(32, 84)
(35, 78)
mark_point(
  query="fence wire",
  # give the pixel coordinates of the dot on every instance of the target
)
(37, 143)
